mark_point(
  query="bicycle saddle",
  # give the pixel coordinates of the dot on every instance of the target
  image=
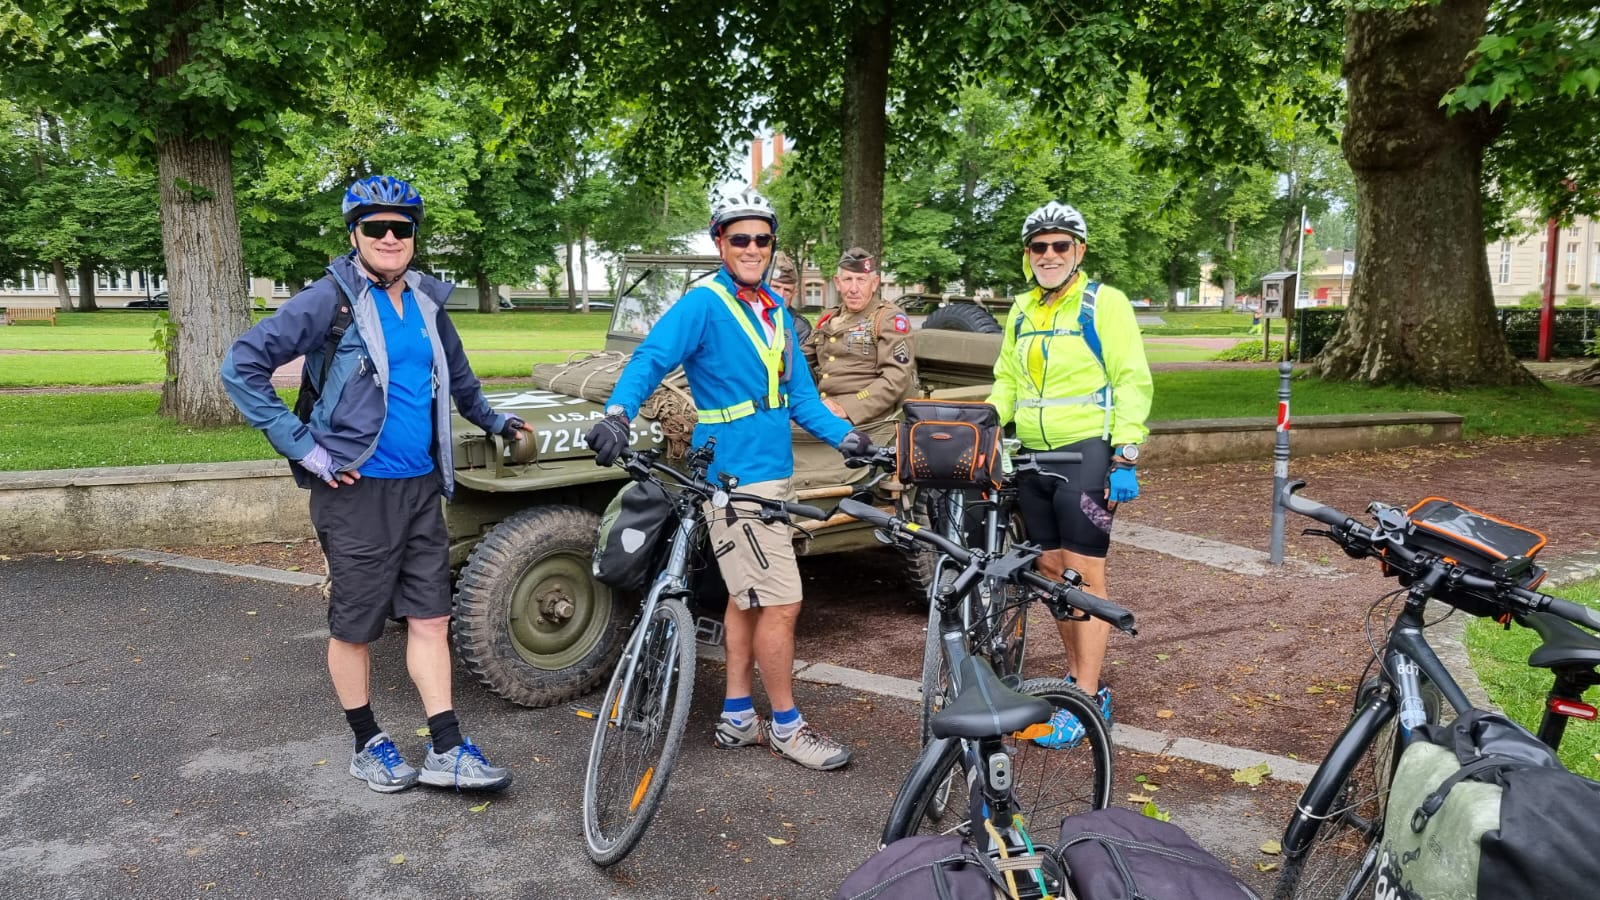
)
(1565, 644)
(986, 707)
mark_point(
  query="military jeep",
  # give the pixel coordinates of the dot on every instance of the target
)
(530, 621)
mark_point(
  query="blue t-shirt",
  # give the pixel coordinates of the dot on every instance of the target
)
(406, 443)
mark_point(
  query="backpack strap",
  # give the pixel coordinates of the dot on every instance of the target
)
(1470, 771)
(1086, 308)
(311, 391)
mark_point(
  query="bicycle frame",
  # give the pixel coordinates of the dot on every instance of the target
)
(672, 581)
(1406, 654)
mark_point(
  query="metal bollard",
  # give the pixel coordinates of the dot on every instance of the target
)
(1280, 462)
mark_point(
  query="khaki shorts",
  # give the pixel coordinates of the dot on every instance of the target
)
(756, 557)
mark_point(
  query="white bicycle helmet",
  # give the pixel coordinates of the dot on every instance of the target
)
(744, 204)
(1057, 217)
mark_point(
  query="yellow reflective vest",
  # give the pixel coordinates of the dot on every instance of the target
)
(1050, 383)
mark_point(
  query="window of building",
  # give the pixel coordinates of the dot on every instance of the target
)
(1544, 262)
(1505, 262)
(445, 275)
(1572, 263)
(813, 294)
(280, 288)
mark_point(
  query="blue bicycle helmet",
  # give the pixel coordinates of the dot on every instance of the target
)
(381, 193)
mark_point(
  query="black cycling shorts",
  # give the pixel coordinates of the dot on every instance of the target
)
(1070, 515)
(388, 553)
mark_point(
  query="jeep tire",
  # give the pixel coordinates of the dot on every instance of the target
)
(531, 623)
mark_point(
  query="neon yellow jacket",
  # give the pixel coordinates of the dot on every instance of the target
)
(1045, 378)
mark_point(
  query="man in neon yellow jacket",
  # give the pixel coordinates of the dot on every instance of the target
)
(1072, 375)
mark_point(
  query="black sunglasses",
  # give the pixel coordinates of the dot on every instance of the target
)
(377, 228)
(1061, 247)
(743, 240)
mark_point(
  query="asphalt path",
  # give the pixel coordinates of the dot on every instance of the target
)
(172, 734)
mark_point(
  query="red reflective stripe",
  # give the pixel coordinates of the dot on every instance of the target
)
(1283, 415)
(1572, 708)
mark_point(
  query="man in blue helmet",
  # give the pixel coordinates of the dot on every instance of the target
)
(371, 440)
(735, 340)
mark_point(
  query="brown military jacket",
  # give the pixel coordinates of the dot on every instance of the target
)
(863, 360)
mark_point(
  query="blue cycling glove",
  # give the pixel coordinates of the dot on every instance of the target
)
(319, 463)
(1124, 484)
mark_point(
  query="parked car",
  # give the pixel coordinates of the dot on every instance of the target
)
(531, 623)
(159, 301)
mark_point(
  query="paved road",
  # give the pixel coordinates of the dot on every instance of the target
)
(171, 734)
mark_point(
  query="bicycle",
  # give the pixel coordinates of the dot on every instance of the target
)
(988, 728)
(996, 614)
(640, 726)
(1331, 844)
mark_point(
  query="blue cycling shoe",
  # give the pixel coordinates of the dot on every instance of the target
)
(1066, 731)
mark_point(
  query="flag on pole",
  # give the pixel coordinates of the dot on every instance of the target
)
(1305, 223)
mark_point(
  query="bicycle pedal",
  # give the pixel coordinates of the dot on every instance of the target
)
(708, 631)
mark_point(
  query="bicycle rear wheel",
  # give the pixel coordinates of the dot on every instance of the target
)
(638, 733)
(1340, 858)
(1047, 785)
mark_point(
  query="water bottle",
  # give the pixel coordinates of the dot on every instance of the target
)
(1412, 712)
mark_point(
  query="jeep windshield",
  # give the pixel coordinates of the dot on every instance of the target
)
(647, 286)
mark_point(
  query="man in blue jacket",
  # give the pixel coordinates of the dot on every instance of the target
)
(735, 341)
(375, 451)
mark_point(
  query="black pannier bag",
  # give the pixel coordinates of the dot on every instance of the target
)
(632, 529)
(1480, 808)
(946, 867)
(949, 444)
(1118, 854)
(1475, 540)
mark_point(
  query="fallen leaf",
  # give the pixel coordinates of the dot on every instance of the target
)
(1163, 713)
(1253, 775)
(1266, 867)
(1153, 811)
(320, 762)
(480, 807)
(423, 731)
(250, 612)
(1140, 798)
(776, 842)
(1272, 848)
(1163, 657)
(397, 859)
(1314, 689)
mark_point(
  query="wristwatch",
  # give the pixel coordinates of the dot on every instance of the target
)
(1129, 452)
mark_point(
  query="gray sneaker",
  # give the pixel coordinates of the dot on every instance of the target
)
(810, 748)
(731, 737)
(379, 764)
(464, 769)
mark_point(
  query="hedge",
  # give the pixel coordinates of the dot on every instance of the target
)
(1574, 330)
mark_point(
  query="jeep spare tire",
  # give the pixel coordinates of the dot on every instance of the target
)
(962, 317)
(531, 623)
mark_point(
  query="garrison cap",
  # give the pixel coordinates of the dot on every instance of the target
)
(783, 271)
(857, 260)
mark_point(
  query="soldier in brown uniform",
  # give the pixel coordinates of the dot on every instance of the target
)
(861, 351)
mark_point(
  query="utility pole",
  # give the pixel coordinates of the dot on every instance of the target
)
(1293, 300)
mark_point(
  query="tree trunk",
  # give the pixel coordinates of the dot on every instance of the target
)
(488, 301)
(85, 283)
(1421, 309)
(583, 266)
(572, 291)
(209, 303)
(861, 135)
(58, 271)
(1229, 286)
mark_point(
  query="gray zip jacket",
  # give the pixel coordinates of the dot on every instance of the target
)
(350, 412)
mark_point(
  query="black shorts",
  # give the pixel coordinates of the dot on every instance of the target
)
(388, 553)
(1070, 515)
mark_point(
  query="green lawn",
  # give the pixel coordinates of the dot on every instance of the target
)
(1196, 322)
(1501, 660)
(49, 369)
(1556, 409)
(67, 431)
(105, 330)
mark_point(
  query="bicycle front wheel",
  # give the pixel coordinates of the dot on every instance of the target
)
(1047, 785)
(1339, 859)
(638, 733)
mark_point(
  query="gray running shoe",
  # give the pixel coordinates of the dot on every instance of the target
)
(379, 764)
(810, 748)
(464, 769)
(731, 737)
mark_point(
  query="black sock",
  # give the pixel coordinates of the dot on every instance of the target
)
(444, 731)
(363, 723)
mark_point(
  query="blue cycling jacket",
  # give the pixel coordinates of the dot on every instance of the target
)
(350, 412)
(700, 334)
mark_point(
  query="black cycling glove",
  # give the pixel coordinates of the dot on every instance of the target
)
(608, 438)
(512, 428)
(856, 445)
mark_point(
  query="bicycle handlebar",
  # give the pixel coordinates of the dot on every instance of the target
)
(1100, 608)
(641, 466)
(1429, 568)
